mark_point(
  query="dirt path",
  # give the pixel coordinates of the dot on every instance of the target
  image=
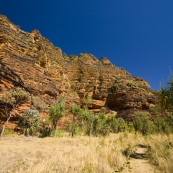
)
(139, 162)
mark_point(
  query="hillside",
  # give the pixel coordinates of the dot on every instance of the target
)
(30, 61)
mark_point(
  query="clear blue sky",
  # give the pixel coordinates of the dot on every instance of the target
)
(134, 34)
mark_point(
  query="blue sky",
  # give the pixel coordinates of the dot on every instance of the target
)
(134, 34)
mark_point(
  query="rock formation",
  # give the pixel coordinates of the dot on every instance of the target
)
(31, 61)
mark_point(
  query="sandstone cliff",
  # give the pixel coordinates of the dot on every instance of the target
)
(31, 61)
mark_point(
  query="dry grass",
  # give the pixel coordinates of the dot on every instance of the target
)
(81, 154)
(65, 154)
(161, 152)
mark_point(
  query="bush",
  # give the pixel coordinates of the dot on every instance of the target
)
(142, 123)
(121, 124)
(76, 111)
(11, 101)
(56, 112)
(38, 103)
(165, 96)
(72, 128)
(113, 123)
(73, 86)
(45, 129)
(30, 122)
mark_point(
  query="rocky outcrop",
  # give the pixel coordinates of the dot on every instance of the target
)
(31, 61)
(130, 94)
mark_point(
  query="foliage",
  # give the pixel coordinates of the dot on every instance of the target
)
(38, 102)
(142, 123)
(56, 112)
(12, 100)
(113, 123)
(87, 101)
(15, 97)
(59, 133)
(56, 47)
(8, 131)
(99, 124)
(161, 126)
(75, 110)
(73, 86)
(90, 120)
(121, 124)
(72, 128)
(102, 125)
(30, 122)
(45, 129)
(165, 96)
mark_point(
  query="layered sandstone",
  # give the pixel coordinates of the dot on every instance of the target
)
(31, 61)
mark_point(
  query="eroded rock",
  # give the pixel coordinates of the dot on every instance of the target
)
(48, 73)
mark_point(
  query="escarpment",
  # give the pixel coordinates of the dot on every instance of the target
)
(31, 61)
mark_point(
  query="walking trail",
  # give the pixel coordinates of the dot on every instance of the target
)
(139, 163)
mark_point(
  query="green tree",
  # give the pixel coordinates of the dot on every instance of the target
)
(102, 125)
(142, 123)
(165, 96)
(12, 100)
(90, 119)
(82, 117)
(56, 112)
(30, 122)
(97, 125)
(113, 123)
(121, 124)
(75, 110)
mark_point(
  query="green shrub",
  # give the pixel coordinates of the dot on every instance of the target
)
(12, 100)
(73, 86)
(97, 125)
(87, 102)
(38, 103)
(30, 122)
(113, 123)
(59, 133)
(56, 47)
(45, 129)
(169, 120)
(142, 123)
(89, 122)
(121, 124)
(75, 110)
(8, 131)
(73, 129)
(56, 112)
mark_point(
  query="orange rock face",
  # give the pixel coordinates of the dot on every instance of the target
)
(31, 61)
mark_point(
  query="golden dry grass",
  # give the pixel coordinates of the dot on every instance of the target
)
(81, 154)
(65, 154)
(161, 152)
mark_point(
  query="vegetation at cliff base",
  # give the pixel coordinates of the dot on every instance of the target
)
(112, 143)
